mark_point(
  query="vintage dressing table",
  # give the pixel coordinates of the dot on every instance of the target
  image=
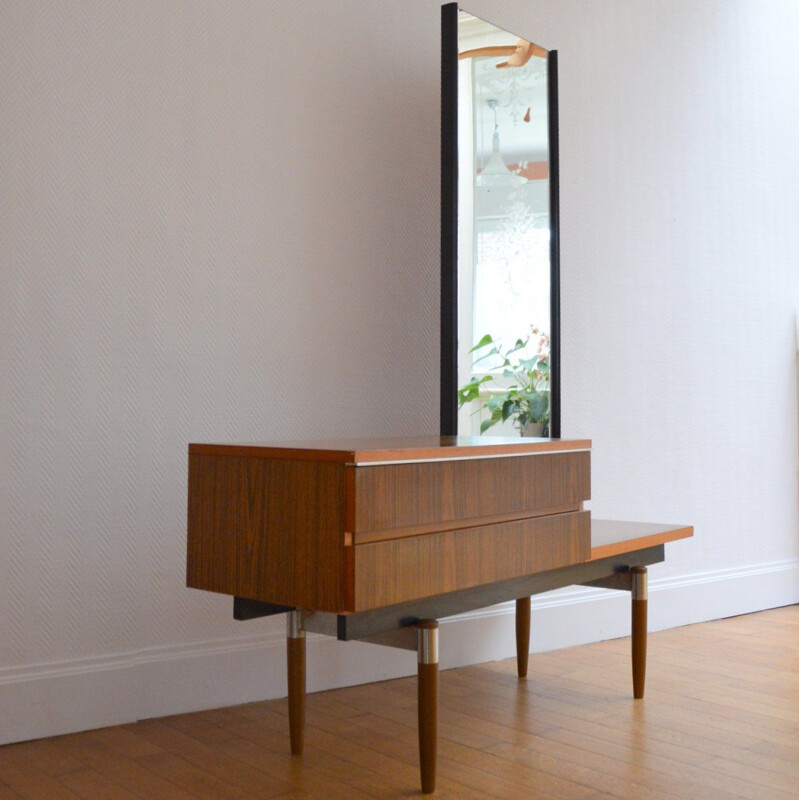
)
(376, 540)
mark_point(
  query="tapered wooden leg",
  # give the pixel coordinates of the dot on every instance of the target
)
(427, 700)
(523, 635)
(296, 668)
(638, 628)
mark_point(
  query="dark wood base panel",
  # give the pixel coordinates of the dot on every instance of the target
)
(379, 620)
(385, 573)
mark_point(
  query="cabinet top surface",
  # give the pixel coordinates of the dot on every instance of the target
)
(371, 451)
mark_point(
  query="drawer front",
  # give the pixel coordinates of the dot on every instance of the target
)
(410, 499)
(385, 573)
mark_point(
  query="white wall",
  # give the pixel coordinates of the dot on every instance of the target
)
(220, 222)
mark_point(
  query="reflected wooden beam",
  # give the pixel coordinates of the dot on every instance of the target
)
(518, 55)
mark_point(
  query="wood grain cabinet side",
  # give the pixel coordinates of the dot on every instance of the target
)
(267, 529)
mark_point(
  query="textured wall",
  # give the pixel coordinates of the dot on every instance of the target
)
(220, 222)
(679, 206)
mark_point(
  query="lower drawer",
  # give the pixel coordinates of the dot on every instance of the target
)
(385, 573)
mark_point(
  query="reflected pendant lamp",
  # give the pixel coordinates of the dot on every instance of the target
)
(496, 173)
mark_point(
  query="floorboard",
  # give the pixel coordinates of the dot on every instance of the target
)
(718, 722)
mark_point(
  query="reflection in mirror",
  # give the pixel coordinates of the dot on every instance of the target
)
(504, 224)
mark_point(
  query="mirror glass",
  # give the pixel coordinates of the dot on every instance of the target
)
(504, 224)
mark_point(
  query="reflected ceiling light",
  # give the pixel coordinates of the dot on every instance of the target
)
(496, 173)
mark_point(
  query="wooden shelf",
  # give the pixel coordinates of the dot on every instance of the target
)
(614, 537)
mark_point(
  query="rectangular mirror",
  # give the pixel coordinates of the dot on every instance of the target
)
(499, 232)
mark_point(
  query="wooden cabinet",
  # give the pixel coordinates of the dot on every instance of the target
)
(377, 540)
(350, 526)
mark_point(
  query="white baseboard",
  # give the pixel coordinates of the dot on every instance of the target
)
(58, 698)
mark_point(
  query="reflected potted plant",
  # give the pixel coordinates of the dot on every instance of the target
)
(526, 400)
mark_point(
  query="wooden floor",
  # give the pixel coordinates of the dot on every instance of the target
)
(719, 722)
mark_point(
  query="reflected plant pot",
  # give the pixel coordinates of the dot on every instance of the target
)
(534, 429)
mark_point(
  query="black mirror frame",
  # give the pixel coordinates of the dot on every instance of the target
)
(448, 418)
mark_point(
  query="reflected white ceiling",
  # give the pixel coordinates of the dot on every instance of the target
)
(516, 89)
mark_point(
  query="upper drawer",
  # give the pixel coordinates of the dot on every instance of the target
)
(405, 499)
